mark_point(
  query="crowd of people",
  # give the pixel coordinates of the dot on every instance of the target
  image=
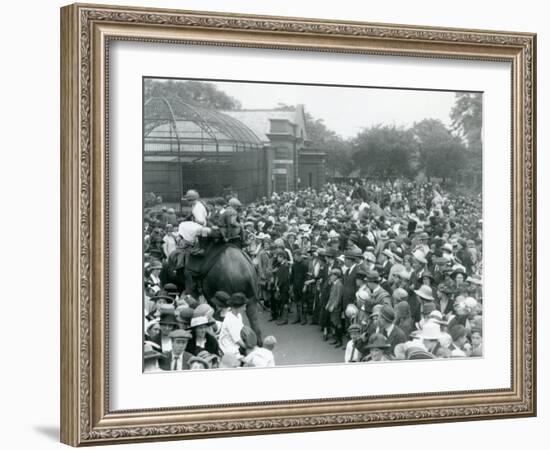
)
(385, 270)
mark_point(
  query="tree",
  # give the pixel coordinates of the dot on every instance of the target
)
(440, 154)
(337, 150)
(385, 152)
(466, 117)
(194, 92)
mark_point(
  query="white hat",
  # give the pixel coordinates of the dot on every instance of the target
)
(419, 256)
(333, 234)
(362, 294)
(430, 331)
(369, 256)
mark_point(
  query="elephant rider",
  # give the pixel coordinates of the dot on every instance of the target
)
(189, 233)
(198, 210)
(230, 228)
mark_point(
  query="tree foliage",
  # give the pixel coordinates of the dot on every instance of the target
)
(466, 117)
(195, 92)
(337, 150)
(320, 137)
(385, 152)
(440, 153)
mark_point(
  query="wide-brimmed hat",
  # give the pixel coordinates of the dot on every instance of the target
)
(372, 276)
(162, 295)
(447, 247)
(354, 328)
(168, 318)
(425, 293)
(430, 331)
(378, 340)
(237, 299)
(199, 321)
(423, 236)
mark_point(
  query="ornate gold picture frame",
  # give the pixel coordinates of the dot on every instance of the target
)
(86, 34)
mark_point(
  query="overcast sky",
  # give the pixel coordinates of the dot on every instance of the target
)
(347, 110)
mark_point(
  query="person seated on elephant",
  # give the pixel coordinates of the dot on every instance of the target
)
(189, 232)
(230, 228)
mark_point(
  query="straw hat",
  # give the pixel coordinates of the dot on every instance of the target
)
(425, 293)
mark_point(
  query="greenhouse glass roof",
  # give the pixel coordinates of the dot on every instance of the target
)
(171, 125)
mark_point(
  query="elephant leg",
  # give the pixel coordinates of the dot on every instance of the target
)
(191, 286)
(252, 314)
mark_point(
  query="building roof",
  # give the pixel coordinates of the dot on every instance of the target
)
(259, 120)
(170, 122)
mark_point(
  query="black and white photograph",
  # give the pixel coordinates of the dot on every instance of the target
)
(289, 224)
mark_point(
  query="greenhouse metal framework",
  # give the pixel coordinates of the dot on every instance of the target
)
(193, 147)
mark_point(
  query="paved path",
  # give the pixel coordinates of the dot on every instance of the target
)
(299, 344)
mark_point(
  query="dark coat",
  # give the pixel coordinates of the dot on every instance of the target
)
(211, 346)
(282, 280)
(397, 336)
(298, 275)
(350, 287)
(165, 363)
